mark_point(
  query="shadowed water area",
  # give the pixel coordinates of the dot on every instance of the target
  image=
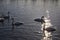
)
(26, 11)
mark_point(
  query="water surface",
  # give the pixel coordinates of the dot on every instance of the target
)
(26, 11)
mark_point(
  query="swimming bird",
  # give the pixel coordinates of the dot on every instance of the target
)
(40, 19)
(37, 20)
(16, 23)
(50, 29)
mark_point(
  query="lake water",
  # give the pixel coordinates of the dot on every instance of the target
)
(26, 11)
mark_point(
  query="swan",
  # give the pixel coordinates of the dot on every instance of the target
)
(37, 20)
(16, 23)
(50, 29)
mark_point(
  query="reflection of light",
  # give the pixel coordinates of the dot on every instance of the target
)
(47, 20)
(48, 36)
(47, 13)
(47, 24)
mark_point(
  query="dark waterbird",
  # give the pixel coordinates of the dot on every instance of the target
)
(16, 23)
(37, 20)
(40, 19)
(50, 29)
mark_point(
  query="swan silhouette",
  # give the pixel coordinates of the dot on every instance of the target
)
(16, 23)
(37, 20)
(40, 20)
(50, 29)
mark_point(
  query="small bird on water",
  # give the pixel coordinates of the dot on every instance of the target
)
(16, 23)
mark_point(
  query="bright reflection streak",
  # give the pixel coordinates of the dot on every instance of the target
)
(47, 24)
(47, 13)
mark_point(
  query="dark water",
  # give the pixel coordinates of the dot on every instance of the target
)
(26, 11)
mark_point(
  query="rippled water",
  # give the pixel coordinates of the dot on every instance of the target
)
(26, 11)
